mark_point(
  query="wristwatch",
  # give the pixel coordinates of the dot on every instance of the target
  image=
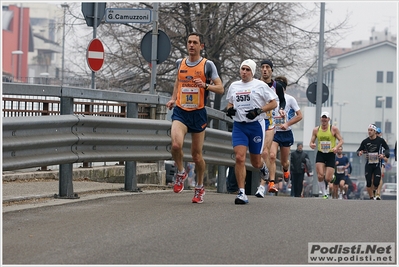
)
(206, 86)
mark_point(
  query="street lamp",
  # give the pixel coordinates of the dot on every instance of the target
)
(16, 52)
(340, 111)
(382, 99)
(65, 6)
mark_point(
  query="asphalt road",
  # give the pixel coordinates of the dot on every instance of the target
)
(166, 228)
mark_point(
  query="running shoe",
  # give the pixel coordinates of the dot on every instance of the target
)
(264, 174)
(179, 183)
(198, 195)
(241, 198)
(260, 192)
(286, 176)
(272, 188)
(325, 197)
(377, 197)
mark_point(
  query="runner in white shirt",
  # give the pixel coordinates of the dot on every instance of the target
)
(248, 100)
(283, 136)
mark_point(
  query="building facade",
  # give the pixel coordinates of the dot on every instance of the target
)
(15, 41)
(32, 41)
(363, 86)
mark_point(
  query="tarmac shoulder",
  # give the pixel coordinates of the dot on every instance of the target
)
(26, 194)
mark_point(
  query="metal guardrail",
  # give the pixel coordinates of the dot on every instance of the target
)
(65, 139)
(36, 141)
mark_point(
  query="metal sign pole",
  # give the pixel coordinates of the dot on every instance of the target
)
(154, 52)
(315, 186)
(93, 74)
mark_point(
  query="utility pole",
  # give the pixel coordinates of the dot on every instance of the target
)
(315, 185)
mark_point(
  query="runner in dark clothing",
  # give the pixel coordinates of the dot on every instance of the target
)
(371, 147)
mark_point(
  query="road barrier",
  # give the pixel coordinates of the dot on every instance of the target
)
(36, 141)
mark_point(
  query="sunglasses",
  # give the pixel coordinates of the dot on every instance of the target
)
(247, 69)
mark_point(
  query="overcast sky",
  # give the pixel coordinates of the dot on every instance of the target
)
(364, 16)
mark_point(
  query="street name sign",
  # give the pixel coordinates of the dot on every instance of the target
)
(128, 15)
(95, 54)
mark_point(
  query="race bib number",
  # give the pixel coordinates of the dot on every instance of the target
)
(373, 158)
(279, 121)
(325, 146)
(243, 99)
(340, 169)
(189, 97)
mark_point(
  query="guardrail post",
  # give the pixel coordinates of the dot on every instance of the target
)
(88, 110)
(131, 166)
(65, 185)
(45, 112)
(221, 187)
(65, 174)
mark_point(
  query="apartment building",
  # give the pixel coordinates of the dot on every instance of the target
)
(363, 87)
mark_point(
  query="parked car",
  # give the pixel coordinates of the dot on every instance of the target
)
(388, 191)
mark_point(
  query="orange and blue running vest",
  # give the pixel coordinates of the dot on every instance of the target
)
(191, 97)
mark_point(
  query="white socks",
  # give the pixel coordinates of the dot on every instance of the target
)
(322, 186)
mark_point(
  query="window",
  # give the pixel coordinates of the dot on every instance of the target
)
(387, 127)
(380, 76)
(389, 76)
(388, 103)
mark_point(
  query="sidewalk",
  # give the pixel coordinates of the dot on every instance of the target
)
(17, 195)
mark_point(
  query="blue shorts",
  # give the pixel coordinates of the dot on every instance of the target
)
(338, 178)
(196, 120)
(249, 134)
(284, 138)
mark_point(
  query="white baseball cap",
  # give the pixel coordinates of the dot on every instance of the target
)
(325, 113)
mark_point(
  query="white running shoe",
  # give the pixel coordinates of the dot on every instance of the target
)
(241, 198)
(260, 192)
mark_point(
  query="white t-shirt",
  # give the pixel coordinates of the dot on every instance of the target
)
(247, 96)
(291, 107)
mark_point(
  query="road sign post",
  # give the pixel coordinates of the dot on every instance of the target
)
(95, 55)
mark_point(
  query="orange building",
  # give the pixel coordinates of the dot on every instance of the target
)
(16, 42)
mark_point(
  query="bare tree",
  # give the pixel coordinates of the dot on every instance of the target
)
(233, 32)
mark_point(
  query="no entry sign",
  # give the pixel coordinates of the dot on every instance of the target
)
(95, 55)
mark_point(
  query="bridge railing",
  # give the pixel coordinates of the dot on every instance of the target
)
(35, 141)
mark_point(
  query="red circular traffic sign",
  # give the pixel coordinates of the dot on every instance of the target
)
(95, 55)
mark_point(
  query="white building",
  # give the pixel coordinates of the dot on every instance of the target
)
(363, 86)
